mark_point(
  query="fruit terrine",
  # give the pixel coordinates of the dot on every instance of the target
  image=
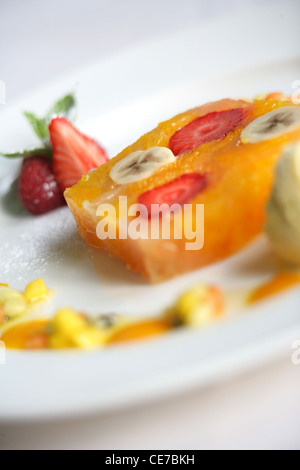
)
(220, 156)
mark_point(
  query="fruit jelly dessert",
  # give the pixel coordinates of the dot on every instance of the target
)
(221, 155)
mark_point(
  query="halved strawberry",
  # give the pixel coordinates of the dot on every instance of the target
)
(180, 191)
(212, 126)
(74, 154)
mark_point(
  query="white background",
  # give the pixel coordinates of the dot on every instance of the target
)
(40, 41)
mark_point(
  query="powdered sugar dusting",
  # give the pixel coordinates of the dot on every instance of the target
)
(37, 243)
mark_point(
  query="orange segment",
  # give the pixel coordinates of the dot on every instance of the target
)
(29, 335)
(240, 177)
(281, 282)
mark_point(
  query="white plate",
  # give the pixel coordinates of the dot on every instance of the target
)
(120, 99)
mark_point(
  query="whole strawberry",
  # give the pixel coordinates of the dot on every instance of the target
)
(38, 188)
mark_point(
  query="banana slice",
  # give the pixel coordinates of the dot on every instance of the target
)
(271, 125)
(141, 164)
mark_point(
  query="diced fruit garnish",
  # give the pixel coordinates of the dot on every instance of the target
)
(212, 126)
(15, 307)
(67, 321)
(180, 191)
(73, 330)
(14, 303)
(200, 306)
(8, 293)
(37, 291)
(74, 154)
(38, 188)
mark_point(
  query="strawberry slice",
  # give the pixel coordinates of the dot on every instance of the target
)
(74, 154)
(180, 191)
(212, 126)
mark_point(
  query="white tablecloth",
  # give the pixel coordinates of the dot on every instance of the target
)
(42, 40)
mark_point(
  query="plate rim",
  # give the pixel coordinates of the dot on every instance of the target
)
(8, 414)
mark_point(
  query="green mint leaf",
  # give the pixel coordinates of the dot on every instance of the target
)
(43, 151)
(63, 107)
(40, 126)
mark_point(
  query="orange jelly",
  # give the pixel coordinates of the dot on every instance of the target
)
(27, 335)
(141, 330)
(279, 283)
(239, 179)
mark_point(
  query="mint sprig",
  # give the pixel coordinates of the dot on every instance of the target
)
(46, 151)
(39, 125)
(63, 107)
